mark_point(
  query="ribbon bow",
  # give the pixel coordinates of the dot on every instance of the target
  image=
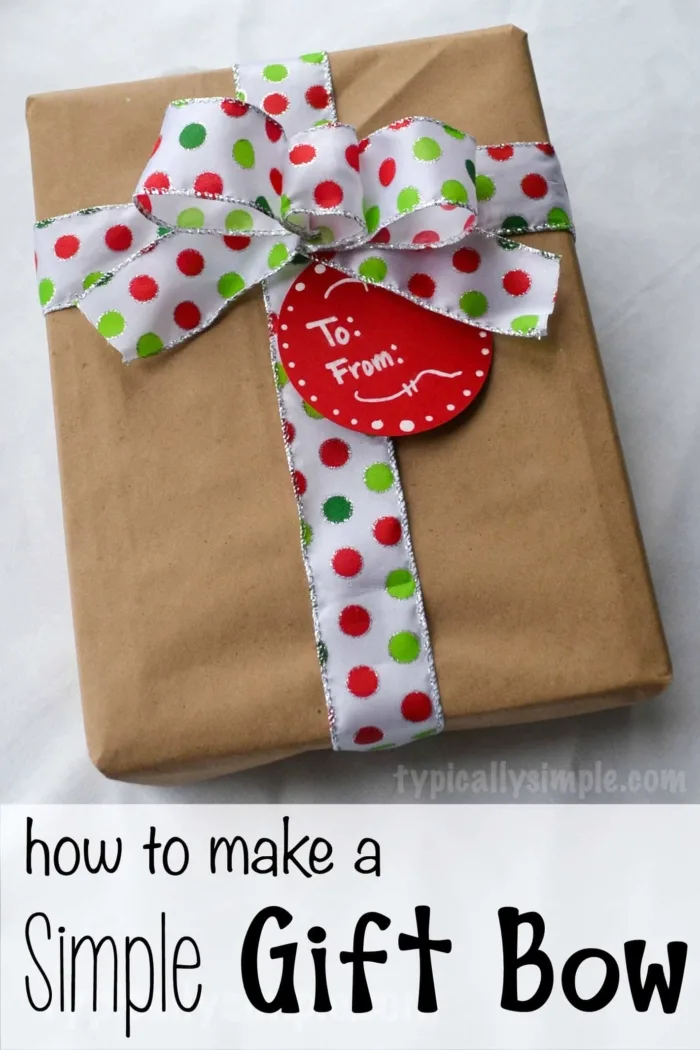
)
(228, 199)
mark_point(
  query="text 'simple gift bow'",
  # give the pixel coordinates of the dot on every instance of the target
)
(268, 188)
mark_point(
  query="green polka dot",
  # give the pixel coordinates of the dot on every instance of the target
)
(524, 324)
(149, 344)
(474, 304)
(382, 747)
(325, 234)
(192, 136)
(311, 412)
(373, 269)
(277, 255)
(262, 204)
(43, 223)
(321, 123)
(243, 153)
(241, 95)
(322, 651)
(307, 533)
(192, 218)
(281, 377)
(379, 477)
(111, 324)
(315, 58)
(558, 217)
(47, 290)
(297, 219)
(408, 198)
(426, 149)
(454, 132)
(455, 191)
(337, 509)
(509, 246)
(485, 188)
(400, 584)
(300, 260)
(178, 102)
(372, 217)
(471, 170)
(404, 647)
(230, 284)
(514, 223)
(239, 220)
(92, 278)
(88, 211)
(162, 230)
(285, 204)
(275, 72)
(423, 734)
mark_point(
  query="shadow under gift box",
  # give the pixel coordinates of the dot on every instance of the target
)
(191, 606)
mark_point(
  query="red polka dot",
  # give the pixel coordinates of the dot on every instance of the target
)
(466, 260)
(398, 124)
(273, 130)
(273, 321)
(500, 152)
(144, 203)
(236, 242)
(276, 180)
(362, 145)
(234, 107)
(387, 171)
(534, 186)
(362, 681)
(334, 452)
(157, 181)
(143, 288)
(347, 562)
(187, 315)
(426, 237)
(66, 246)
(304, 153)
(289, 431)
(449, 207)
(299, 481)
(422, 285)
(470, 222)
(517, 282)
(317, 96)
(546, 148)
(190, 262)
(36, 261)
(276, 103)
(328, 194)
(382, 236)
(387, 531)
(119, 238)
(352, 156)
(368, 735)
(354, 620)
(416, 707)
(156, 145)
(209, 182)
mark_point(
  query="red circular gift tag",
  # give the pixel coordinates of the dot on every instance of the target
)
(374, 361)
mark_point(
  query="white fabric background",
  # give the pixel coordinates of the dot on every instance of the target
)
(621, 98)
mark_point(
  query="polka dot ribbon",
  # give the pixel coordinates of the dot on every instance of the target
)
(234, 189)
(253, 189)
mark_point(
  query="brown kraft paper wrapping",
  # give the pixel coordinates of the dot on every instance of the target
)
(191, 606)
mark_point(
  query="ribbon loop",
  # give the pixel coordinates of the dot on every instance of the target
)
(323, 185)
(419, 183)
(205, 172)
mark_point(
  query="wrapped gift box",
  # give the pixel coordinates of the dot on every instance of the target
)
(192, 616)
